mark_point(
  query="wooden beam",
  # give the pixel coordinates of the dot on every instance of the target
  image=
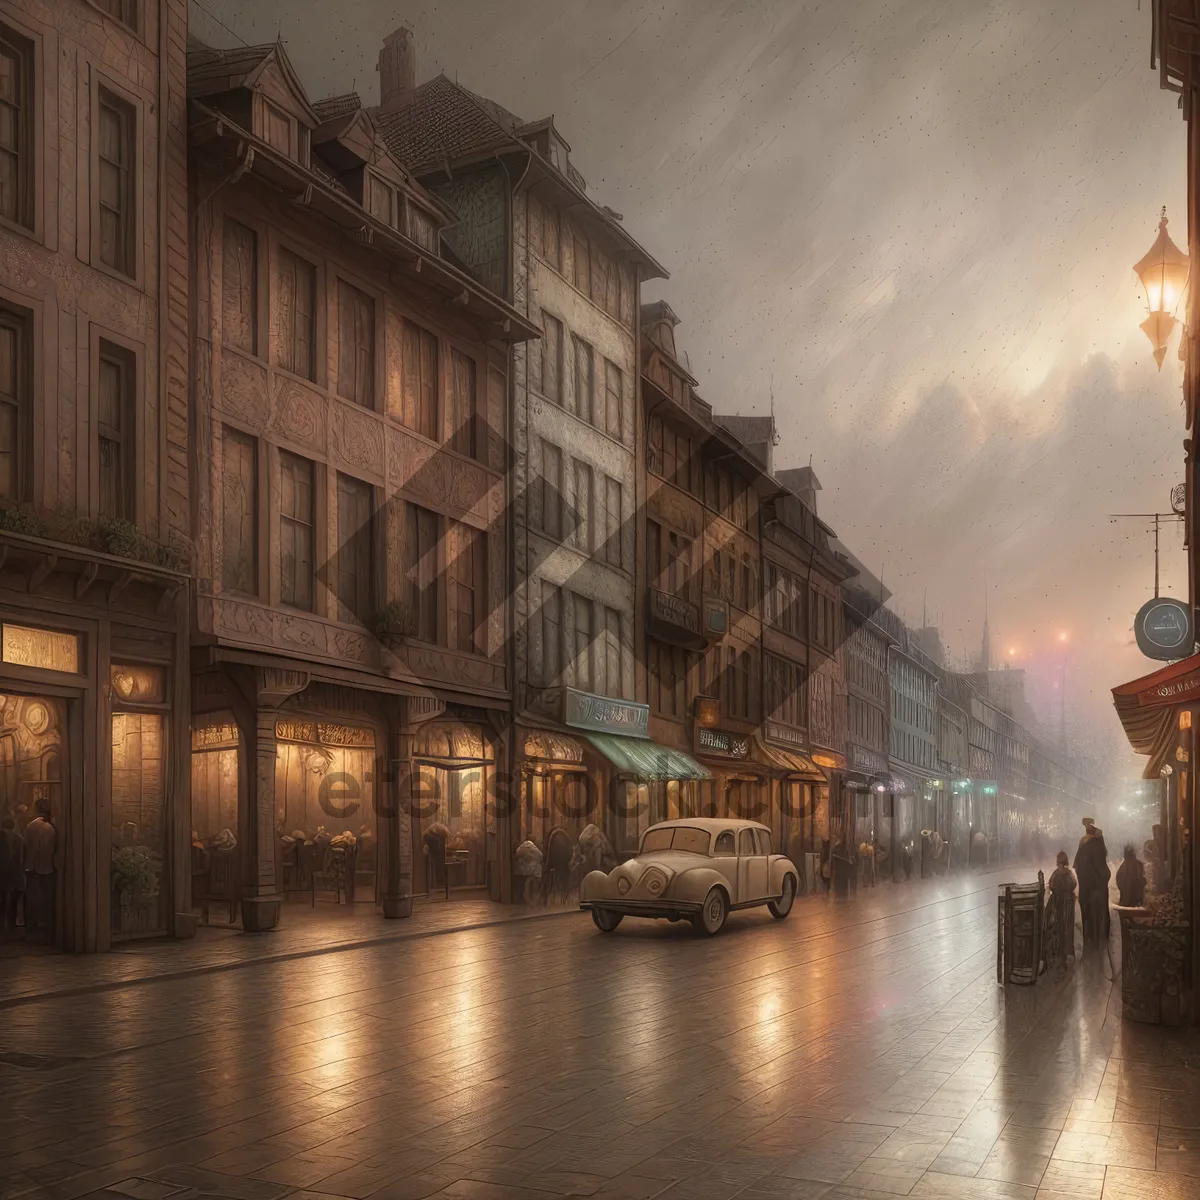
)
(41, 571)
(118, 585)
(86, 578)
(166, 599)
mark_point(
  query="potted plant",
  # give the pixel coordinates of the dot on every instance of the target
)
(134, 884)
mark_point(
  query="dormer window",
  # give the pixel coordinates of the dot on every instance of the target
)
(277, 128)
(380, 199)
(419, 228)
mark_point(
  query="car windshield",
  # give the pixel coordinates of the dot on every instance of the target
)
(676, 837)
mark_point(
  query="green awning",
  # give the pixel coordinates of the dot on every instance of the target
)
(647, 760)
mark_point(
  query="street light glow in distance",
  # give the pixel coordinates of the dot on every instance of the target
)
(1163, 273)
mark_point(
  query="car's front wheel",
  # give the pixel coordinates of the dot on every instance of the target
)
(606, 921)
(781, 907)
(711, 917)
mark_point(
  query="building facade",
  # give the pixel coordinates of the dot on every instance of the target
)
(529, 230)
(94, 551)
(350, 399)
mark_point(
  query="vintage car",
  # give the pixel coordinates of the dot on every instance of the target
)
(695, 869)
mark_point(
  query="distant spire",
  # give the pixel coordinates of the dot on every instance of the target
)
(987, 635)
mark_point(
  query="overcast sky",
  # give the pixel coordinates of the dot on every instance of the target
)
(918, 218)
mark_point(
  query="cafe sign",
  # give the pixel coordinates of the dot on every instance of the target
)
(582, 710)
(1163, 629)
(721, 743)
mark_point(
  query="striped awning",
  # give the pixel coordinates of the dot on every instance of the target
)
(1148, 706)
(646, 760)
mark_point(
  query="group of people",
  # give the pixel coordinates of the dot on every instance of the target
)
(1091, 875)
(27, 880)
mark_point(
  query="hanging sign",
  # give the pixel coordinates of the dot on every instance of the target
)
(1163, 628)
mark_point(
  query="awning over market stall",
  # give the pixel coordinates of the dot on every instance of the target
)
(791, 762)
(1147, 708)
(646, 760)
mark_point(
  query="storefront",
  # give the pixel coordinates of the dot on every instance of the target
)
(90, 704)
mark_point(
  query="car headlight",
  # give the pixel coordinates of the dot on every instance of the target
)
(623, 884)
(654, 881)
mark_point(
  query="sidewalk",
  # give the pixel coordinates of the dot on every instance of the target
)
(29, 974)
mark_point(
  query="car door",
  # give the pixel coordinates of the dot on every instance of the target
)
(725, 860)
(752, 868)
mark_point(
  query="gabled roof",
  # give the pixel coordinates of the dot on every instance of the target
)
(445, 122)
(333, 107)
(750, 431)
(211, 71)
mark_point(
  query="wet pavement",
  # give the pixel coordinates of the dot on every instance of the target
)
(858, 1049)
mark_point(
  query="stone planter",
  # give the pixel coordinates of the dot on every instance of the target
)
(1153, 963)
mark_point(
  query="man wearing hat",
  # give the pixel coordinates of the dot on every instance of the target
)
(1091, 869)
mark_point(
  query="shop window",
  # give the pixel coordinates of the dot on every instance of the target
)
(138, 903)
(453, 806)
(47, 649)
(214, 841)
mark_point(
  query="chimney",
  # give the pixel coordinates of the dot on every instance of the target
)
(397, 70)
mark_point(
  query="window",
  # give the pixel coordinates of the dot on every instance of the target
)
(552, 358)
(585, 382)
(582, 263)
(552, 238)
(420, 386)
(277, 128)
(747, 584)
(784, 686)
(552, 490)
(744, 701)
(467, 575)
(16, 127)
(600, 267)
(239, 512)
(747, 846)
(723, 846)
(739, 502)
(421, 530)
(381, 200)
(551, 634)
(355, 559)
(612, 684)
(461, 433)
(613, 400)
(115, 123)
(116, 380)
(612, 530)
(297, 522)
(654, 554)
(421, 228)
(294, 306)
(356, 345)
(654, 441)
(612, 293)
(239, 287)
(582, 516)
(15, 423)
(585, 633)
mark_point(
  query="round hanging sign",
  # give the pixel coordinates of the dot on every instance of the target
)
(1163, 628)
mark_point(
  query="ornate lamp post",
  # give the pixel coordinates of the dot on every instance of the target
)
(1163, 273)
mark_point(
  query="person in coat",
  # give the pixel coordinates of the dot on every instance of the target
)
(1131, 880)
(1093, 874)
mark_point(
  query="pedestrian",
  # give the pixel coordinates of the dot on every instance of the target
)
(1059, 923)
(41, 838)
(1131, 880)
(12, 873)
(1091, 868)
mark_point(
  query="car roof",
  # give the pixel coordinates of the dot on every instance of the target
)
(710, 824)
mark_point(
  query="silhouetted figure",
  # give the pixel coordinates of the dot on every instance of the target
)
(1155, 852)
(1131, 880)
(1091, 868)
(41, 838)
(12, 873)
(1059, 925)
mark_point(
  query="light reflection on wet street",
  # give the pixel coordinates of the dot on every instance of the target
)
(857, 1049)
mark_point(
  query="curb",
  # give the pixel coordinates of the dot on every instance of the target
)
(114, 985)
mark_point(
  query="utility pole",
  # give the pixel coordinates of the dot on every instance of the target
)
(1157, 518)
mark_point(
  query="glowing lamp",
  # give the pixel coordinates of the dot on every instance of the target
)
(1163, 274)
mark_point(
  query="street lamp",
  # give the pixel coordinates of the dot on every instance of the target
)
(1163, 274)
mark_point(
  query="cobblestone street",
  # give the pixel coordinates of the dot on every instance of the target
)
(857, 1049)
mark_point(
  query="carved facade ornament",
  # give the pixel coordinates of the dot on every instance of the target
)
(274, 685)
(298, 413)
(243, 390)
(439, 479)
(358, 440)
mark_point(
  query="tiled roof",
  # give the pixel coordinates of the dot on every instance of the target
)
(443, 123)
(206, 63)
(337, 106)
(748, 430)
